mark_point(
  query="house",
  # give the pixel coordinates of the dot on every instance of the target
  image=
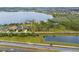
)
(19, 28)
(12, 27)
(3, 28)
(24, 28)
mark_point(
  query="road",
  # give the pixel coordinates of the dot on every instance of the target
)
(41, 47)
(46, 32)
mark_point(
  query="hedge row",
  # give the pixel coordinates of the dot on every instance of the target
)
(18, 34)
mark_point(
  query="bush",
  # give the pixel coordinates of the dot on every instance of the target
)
(18, 34)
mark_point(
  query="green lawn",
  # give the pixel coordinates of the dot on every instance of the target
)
(55, 51)
(22, 39)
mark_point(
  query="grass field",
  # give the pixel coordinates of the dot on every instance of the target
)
(22, 39)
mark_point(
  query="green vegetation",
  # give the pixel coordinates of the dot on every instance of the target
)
(54, 51)
(61, 23)
(22, 39)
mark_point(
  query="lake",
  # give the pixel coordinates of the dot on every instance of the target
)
(20, 17)
(65, 39)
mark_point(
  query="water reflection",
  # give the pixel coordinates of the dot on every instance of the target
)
(65, 39)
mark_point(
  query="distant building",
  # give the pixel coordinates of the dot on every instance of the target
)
(19, 28)
(12, 27)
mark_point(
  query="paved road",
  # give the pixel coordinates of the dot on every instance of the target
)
(42, 47)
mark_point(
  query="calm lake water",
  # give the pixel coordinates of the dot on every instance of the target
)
(19, 17)
(65, 39)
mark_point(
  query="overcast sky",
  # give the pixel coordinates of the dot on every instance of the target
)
(39, 3)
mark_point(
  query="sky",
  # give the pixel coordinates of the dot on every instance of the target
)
(39, 3)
